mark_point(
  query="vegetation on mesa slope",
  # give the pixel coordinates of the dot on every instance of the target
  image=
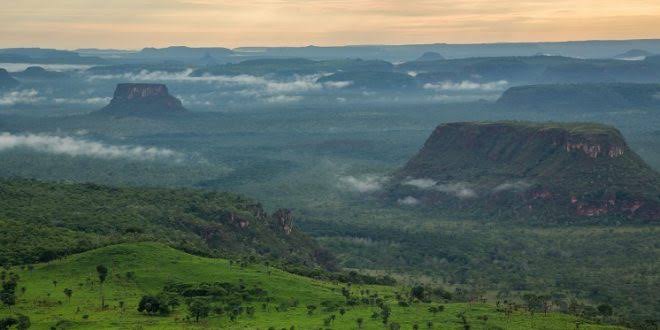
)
(42, 221)
(150, 285)
(581, 97)
(555, 172)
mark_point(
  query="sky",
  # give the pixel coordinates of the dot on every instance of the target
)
(134, 24)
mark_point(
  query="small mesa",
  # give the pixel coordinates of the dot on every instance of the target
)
(150, 100)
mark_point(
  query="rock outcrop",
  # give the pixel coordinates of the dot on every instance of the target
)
(143, 100)
(554, 172)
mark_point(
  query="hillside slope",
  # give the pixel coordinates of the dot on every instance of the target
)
(42, 221)
(273, 297)
(554, 172)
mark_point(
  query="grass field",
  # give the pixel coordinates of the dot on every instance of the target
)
(152, 265)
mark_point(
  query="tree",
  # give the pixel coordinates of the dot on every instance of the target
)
(385, 313)
(153, 305)
(102, 273)
(8, 292)
(23, 322)
(7, 323)
(199, 308)
(417, 292)
(436, 309)
(55, 283)
(605, 310)
(310, 309)
(68, 292)
(359, 322)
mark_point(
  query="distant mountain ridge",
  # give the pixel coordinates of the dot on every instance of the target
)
(581, 97)
(551, 172)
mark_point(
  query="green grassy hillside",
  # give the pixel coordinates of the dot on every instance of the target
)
(280, 300)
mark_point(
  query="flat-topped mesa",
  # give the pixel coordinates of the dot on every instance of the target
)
(557, 171)
(143, 100)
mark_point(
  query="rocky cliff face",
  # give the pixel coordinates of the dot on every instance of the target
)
(562, 171)
(143, 100)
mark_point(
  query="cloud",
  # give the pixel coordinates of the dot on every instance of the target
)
(87, 101)
(512, 186)
(337, 84)
(269, 90)
(365, 184)
(421, 183)
(78, 147)
(283, 99)
(458, 189)
(409, 201)
(26, 96)
(468, 86)
(462, 98)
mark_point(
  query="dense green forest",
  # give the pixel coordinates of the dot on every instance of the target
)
(45, 221)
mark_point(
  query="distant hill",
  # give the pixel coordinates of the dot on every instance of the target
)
(149, 100)
(581, 97)
(45, 56)
(634, 54)
(372, 80)
(181, 53)
(543, 172)
(430, 56)
(43, 221)
(39, 73)
(135, 68)
(293, 66)
(6, 80)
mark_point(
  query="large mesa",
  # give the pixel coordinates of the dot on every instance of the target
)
(550, 172)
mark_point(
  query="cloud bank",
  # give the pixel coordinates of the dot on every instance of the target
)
(266, 89)
(408, 201)
(78, 147)
(465, 86)
(458, 189)
(25, 96)
(512, 186)
(365, 184)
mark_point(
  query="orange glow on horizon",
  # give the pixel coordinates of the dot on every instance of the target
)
(132, 24)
